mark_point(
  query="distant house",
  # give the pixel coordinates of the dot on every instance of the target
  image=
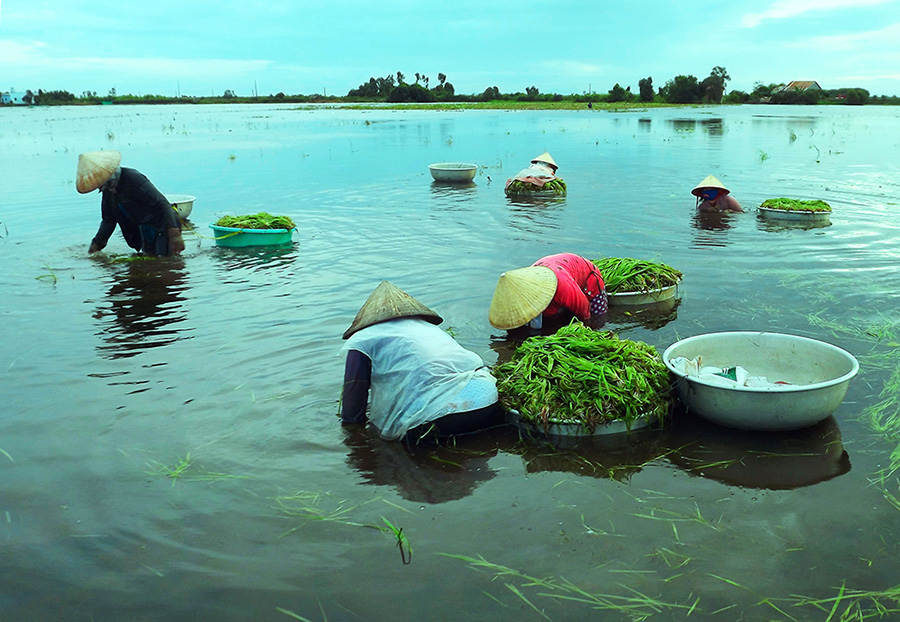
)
(12, 98)
(799, 85)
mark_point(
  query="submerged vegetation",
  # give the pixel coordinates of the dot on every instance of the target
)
(624, 274)
(262, 220)
(581, 376)
(796, 205)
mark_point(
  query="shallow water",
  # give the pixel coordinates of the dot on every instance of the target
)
(227, 363)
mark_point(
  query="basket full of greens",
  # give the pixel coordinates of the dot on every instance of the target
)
(795, 209)
(580, 382)
(636, 281)
(262, 229)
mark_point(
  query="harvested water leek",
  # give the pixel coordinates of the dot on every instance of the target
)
(624, 274)
(581, 376)
(796, 205)
(554, 186)
(262, 220)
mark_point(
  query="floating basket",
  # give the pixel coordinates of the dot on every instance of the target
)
(238, 238)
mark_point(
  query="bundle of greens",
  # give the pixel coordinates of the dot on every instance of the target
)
(624, 274)
(262, 220)
(554, 186)
(796, 205)
(581, 376)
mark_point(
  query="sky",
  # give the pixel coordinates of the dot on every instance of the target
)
(205, 47)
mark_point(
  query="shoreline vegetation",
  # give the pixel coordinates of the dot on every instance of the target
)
(395, 92)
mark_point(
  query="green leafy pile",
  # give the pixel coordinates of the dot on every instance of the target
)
(582, 376)
(555, 186)
(262, 220)
(797, 205)
(624, 274)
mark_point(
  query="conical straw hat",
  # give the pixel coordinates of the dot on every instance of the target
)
(389, 302)
(521, 295)
(94, 168)
(709, 182)
(545, 157)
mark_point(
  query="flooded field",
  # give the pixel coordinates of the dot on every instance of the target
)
(169, 445)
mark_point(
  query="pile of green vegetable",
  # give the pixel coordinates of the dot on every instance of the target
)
(624, 274)
(516, 186)
(797, 205)
(262, 220)
(582, 376)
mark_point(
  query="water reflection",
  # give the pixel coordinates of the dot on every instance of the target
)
(776, 225)
(423, 473)
(534, 214)
(614, 456)
(145, 302)
(710, 228)
(712, 126)
(454, 196)
(651, 316)
(757, 459)
(256, 257)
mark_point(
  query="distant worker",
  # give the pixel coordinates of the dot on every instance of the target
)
(713, 196)
(541, 172)
(557, 286)
(147, 219)
(423, 384)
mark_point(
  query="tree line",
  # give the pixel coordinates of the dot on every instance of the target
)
(396, 88)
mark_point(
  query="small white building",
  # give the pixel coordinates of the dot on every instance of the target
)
(12, 97)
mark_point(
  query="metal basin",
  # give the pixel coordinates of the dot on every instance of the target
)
(818, 374)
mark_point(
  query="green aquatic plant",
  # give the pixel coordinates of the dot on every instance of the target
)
(624, 274)
(184, 469)
(518, 187)
(48, 276)
(581, 376)
(796, 205)
(262, 220)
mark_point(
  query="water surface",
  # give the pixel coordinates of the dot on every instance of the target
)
(222, 368)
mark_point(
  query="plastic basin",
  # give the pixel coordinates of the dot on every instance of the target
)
(236, 238)
(819, 374)
(642, 298)
(183, 204)
(453, 172)
(785, 214)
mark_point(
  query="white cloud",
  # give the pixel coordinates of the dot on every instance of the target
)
(882, 41)
(783, 9)
(165, 67)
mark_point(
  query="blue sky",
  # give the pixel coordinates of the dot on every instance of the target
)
(203, 47)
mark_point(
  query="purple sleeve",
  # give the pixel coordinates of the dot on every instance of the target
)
(355, 396)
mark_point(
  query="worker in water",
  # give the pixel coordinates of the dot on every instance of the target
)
(147, 219)
(557, 286)
(422, 383)
(713, 196)
(541, 171)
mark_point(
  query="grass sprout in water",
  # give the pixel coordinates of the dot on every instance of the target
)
(308, 505)
(184, 469)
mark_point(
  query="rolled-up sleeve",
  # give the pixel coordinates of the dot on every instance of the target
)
(355, 394)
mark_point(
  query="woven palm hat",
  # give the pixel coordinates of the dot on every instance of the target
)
(546, 159)
(521, 295)
(709, 182)
(389, 302)
(94, 168)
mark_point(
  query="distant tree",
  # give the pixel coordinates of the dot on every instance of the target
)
(411, 93)
(616, 94)
(441, 79)
(400, 78)
(28, 97)
(682, 90)
(646, 89)
(532, 93)
(736, 97)
(112, 92)
(713, 87)
(49, 98)
(491, 93)
(228, 94)
(857, 97)
(418, 77)
(425, 80)
(762, 92)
